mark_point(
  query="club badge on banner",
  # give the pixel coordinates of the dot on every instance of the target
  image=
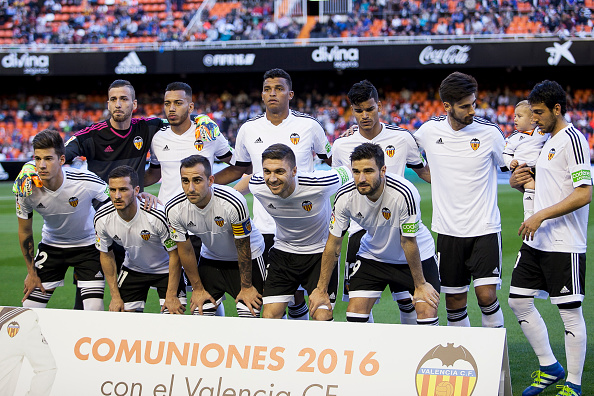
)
(105, 353)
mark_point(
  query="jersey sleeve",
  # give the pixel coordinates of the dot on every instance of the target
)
(222, 148)
(410, 214)
(102, 239)
(75, 147)
(162, 230)
(100, 190)
(23, 208)
(321, 145)
(498, 147)
(153, 160)
(239, 217)
(256, 183)
(418, 137)
(177, 231)
(241, 155)
(511, 144)
(414, 159)
(577, 154)
(338, 157)
(339, 220)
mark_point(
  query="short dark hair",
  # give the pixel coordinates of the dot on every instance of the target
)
(180, 86)
(122, 83)
(369, 151)
(456, 87)
(280, 151)
(362, 92)
(279, 73)
(193, 160)
(49, 138)
(125, 171)
(550, 93)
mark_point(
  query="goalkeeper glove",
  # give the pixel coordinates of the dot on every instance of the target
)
(23, 185)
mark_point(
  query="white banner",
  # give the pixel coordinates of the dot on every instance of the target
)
(104, 353)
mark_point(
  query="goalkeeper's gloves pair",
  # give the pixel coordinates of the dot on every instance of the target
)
(27, 178)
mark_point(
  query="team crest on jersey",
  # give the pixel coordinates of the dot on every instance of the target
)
(447, 371)
(13, 328)
(295, 138)
(138, 142)
(219, 220)
(199, 144)
(73, 202)
(390, 150)
(475, 143)
(307, 205)
(386, 213)
(146, 235)
(551, 154)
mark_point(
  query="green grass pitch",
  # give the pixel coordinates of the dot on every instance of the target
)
(522, 359)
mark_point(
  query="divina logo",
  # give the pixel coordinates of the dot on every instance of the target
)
(31, 64)
(131, 64)
(342, 58)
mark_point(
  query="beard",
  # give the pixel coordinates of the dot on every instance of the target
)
(369, 188)
(464, 121)
(181, 118)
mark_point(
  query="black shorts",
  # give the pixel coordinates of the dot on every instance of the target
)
(53, 262)
(350, 259)
(562, 276)
(220, 277)
(134, 287)
(268, 242)
(462, 259)
(371, 277)
(287, 271)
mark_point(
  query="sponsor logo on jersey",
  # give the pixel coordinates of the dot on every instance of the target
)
(108, 149)
(328, 147)
(410, 228)
(138, 142)
(116, 238)
(271, 206)
(390, 150)
(40, 206)
(243, 228)
(73, 201)
(343, 173)
(166, 148)
(447, 371)
(146, 235)
(219, 220)
(332, 221)
(295, 138)
(475, 144)
(522, 138)
(551, 153)
(199, 144)
(173, 232)
(97, 240)
(359, 215)
(307, 205)
(582, 174)
(386, 213)
(439, 141)
(191, 224)
(13, 328)
(131, 64)
(206, 129)
(259, 140)
(169, 243)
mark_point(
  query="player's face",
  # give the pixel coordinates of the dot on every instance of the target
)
(276, 95)
(367, 114)
(196, 185)
(48, 163)
(120, 104)
(279, 176)
(523, 119)
(368, 176)
(543, 117)
(177, 107)
(462, 112)
(122, 193)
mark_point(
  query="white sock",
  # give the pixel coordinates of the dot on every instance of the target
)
(528, 202)
(458, 317)
(408, 315)
(575, 343)
(492, 315)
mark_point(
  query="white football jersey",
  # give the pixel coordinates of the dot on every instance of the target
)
(299, 131)
(524, 146)
(396, 212)
(302, 218)
(224, 219)
(67, 212)
(563, 165)
(145, 238)
(169, 148)
(463, 175)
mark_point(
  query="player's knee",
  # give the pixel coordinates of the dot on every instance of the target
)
(520, 306)
(486, 295)
(322, 314)
(425, 311)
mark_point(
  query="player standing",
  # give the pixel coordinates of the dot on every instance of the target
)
(464, 153)
(552, 259)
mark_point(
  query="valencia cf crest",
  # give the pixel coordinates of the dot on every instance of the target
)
(307, 205)
(138, 142)
(145, 235)
(551, 154)
(386, 213)
(219, 220)
(295, 138)
(390, 150)
(13, 328)
(73, 202)
(475, 143)
(199, 144)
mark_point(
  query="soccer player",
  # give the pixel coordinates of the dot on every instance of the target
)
(279, 124)
(387, 207)
(144, 234)
(464, 153)
(400, 151)
(299, 203)
(552, 259)
(231, 256)
(66, 204)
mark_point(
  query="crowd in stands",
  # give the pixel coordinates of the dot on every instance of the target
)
(114, 21)
(22, 117)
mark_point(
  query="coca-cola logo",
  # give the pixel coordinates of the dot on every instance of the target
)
(455, 54)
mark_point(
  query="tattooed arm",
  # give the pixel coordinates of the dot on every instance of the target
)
(248, 294)
(32, 281)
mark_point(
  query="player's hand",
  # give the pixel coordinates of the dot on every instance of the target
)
(116, 304)
(529, 226)
(251, 298)
(520, 176)
(26, 179)
(350, 131)
(32, 282)
(173, 305)
(317, 298)
(426, 293)
(199, 298)
(150, 201)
